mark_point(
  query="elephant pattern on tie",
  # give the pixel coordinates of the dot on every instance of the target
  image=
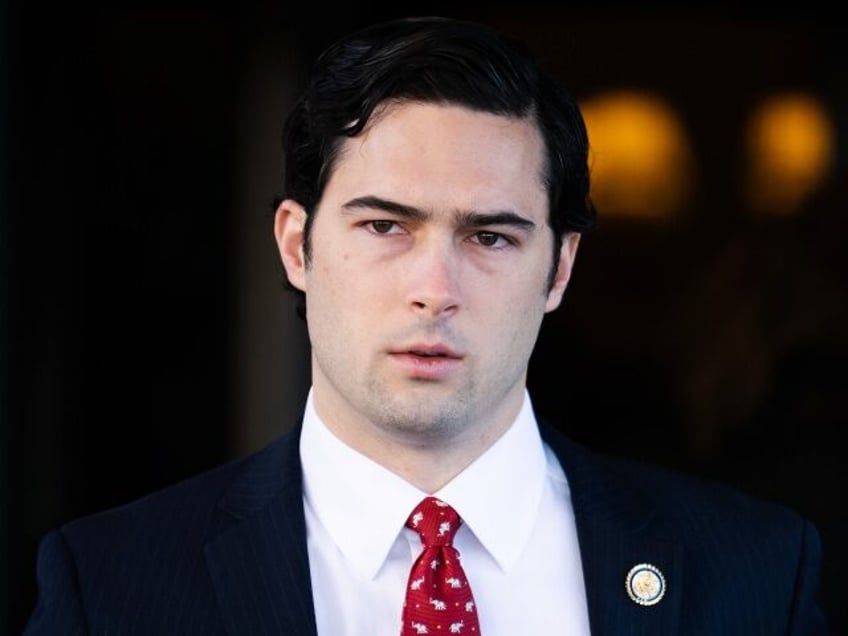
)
(438, 596)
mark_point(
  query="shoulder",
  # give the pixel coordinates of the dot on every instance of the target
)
(684, 506)
(143, 558)
(189, 510)
(759, 560)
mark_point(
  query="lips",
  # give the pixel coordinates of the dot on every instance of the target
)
(429, 351)
(427, 362)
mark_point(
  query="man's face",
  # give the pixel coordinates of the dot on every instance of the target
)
(427, 283)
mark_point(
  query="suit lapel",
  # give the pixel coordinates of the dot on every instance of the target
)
(615, 527)
(259, 565)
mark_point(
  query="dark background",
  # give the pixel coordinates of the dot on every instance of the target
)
(145, 334)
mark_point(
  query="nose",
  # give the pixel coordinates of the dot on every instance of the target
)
(434, 279)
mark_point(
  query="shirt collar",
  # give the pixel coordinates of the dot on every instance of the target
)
(499, 494)
(343, 487)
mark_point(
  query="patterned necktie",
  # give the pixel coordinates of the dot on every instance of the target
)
(438, 597)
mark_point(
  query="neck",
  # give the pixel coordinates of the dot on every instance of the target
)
(427, 461)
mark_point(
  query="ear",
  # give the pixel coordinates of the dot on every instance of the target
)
(289, 222)
(567, 254)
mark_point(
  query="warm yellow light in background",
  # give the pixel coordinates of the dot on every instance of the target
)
(640, 157)
(790, 145)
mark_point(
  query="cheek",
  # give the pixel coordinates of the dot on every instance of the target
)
(513, 313)
(343, 294)
(532, 301)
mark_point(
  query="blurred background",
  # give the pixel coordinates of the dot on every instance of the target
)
(145, 334)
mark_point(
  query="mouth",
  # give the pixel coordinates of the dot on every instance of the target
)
(430, 362)
(436, 351)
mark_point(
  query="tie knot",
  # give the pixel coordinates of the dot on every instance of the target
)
(435, 521)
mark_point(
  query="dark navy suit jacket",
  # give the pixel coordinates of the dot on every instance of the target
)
(225, 553)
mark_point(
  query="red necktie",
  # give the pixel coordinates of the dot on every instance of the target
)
(438, 597)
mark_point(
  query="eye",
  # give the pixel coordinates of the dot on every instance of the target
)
(383, 227)
(491, 239)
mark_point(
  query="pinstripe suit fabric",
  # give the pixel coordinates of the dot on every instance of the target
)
(225, 553)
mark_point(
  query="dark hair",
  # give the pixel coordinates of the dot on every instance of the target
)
(441, 60)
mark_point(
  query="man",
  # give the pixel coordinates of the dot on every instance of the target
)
(436, 190)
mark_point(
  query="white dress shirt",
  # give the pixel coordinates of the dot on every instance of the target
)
(518, 539)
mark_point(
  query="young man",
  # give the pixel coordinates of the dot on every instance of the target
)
(436, 189)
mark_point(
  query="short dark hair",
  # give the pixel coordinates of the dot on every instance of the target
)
(435, 60)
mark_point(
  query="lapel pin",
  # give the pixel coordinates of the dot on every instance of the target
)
(645, 584)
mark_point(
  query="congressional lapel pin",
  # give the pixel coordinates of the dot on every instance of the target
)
(645, 584)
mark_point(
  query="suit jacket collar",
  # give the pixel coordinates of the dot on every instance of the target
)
(260, 568)
(259, 565)
(616, 529)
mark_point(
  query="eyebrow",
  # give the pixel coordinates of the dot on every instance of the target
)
(371, 202)
(465, 218)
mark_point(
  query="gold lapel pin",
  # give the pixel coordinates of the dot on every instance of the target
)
(645, 584)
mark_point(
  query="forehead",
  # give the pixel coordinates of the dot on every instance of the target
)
(444, 155)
